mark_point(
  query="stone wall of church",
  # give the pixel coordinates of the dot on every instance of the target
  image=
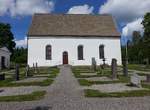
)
(36, 50)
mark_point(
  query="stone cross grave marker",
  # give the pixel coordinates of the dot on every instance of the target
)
(135, 80)
(114, 68)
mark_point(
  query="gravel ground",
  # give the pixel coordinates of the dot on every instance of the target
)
(89, 74)
(99, 79)
(42, 75)
(119, 87)
(34, 79)
(64, 94)
(10, 91)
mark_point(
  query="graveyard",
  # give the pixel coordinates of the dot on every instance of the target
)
(113, 80)
(26, 83)
(22, 83)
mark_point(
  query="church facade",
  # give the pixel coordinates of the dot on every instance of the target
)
(73, 39)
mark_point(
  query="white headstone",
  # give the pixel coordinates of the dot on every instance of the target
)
(136, 80)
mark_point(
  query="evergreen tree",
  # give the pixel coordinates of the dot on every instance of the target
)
(146, 37)
(6, 37)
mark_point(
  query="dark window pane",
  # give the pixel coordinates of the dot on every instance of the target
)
(80, 52)
(101, 52)
(48, 52)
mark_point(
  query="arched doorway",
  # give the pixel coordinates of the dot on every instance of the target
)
(65, 57)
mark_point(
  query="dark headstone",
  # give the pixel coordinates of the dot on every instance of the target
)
(148, 78)
(2, 77)
(125, 68)
(17, 72)
(36, 68)
(114, 68)
(94, 64)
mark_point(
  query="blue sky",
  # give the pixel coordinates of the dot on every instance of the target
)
(19, 13)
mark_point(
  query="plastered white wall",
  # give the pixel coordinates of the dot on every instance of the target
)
(7, 58)
(36, 50)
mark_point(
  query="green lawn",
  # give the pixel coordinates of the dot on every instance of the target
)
(121, 79)
(138, 67)
(107, 73)
(51, 71)
(27, 97)
(135, 93)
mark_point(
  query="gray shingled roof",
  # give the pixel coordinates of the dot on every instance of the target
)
(73, 25)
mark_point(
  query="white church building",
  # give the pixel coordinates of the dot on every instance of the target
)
(55, 39)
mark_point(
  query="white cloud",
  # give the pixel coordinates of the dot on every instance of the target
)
(126, 10)
(4, 6)
(83, 9)
(25, 7)
(132, 26)
(21, 43)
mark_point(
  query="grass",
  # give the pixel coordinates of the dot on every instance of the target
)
(84, 82)
(52, 72)
(6, 83)
(27, 97)
(138, 67)
(83, 69)
(135, 93)
(100, 72)
(121, 79)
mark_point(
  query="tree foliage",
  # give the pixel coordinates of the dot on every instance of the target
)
(6, 37)
(146, 37)
(19, 55)
(139, 48)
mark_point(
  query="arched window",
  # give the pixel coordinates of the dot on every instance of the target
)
(101, 52)
(48, 52)
(80, 52)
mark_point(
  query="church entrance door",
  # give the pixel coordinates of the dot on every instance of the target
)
(65, 58)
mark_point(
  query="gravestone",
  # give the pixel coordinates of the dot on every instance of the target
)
(17, 72)
(33, 68)
(2, 77)
(135, 80)
(148, 78)
(94, 64)
(27, 71)
(125, 67)
(36, 68)
(114, 68)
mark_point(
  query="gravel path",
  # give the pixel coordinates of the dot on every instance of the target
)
(65, 94)
(10, 91)
(34, 79)
(119, 87)
(100, 79)
(89, 74)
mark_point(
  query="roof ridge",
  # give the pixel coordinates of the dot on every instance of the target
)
(105, 14)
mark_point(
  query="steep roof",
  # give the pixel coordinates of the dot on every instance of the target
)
(73, 25)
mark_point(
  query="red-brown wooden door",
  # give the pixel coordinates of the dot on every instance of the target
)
(65, 57)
